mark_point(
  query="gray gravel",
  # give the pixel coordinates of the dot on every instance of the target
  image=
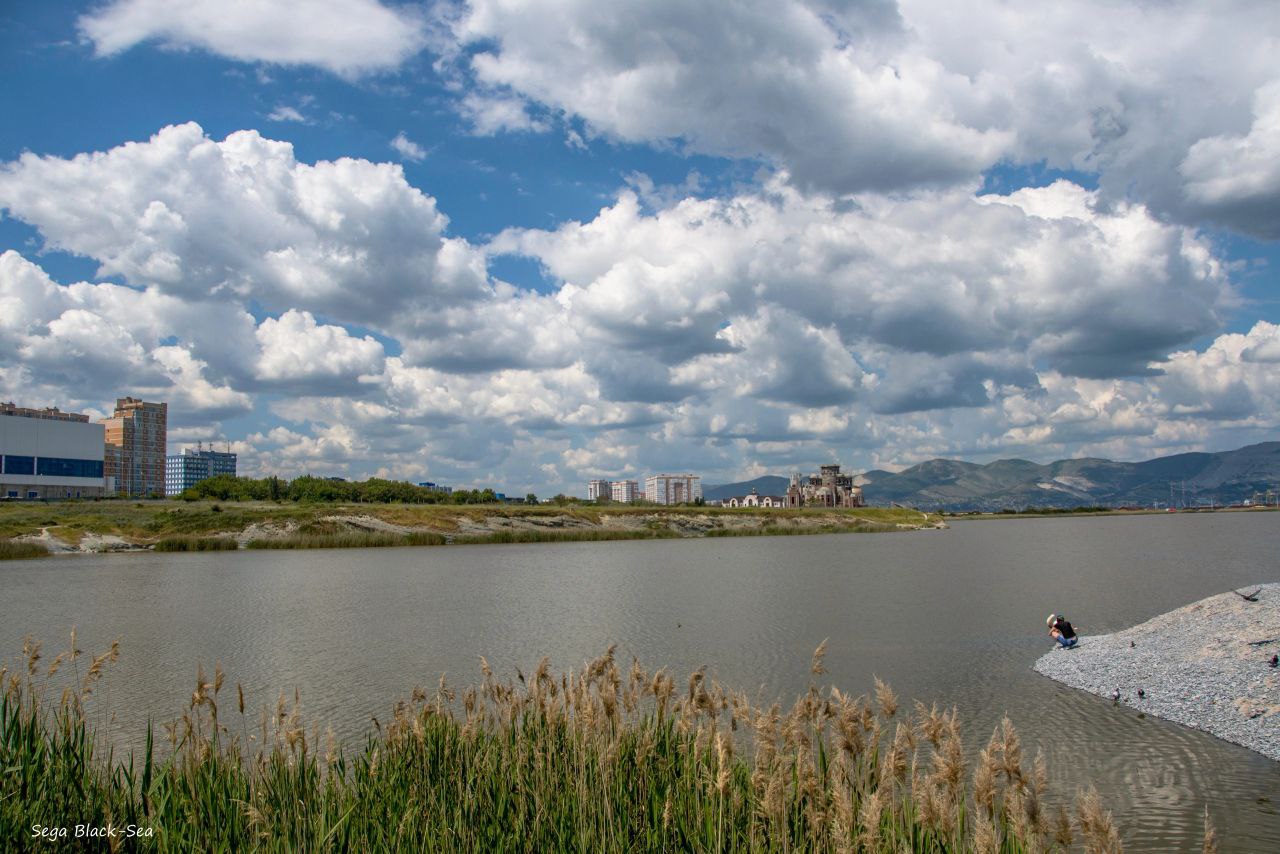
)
(1195, 666)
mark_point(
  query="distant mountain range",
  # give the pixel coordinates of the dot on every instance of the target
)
(1227, 477)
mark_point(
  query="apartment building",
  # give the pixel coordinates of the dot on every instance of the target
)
(135, 447)
(673, 488)
(625, 491)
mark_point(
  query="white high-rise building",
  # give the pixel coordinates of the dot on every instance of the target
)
(598, 489)
(673, 488)
(625, 491)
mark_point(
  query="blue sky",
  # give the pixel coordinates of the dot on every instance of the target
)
(527, 244)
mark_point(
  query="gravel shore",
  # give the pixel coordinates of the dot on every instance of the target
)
(1206, 666)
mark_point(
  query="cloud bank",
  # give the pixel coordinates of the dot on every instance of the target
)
(1163, 101)
(759, 331)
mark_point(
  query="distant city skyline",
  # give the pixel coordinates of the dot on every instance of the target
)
(458, 244)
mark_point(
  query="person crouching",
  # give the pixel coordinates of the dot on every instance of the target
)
(1062, 631)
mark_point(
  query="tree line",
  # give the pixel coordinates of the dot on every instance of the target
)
(309, 488)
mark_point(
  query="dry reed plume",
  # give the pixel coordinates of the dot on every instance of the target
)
(609, 757)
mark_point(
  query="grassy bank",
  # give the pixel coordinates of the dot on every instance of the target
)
(201, 526)
(610, 758)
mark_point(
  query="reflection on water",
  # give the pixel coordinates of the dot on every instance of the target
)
(954, 616)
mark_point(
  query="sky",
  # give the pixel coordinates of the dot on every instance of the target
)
(527, 244)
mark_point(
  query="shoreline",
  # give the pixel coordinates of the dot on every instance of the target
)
(95, 528)
(1072, 514)
(1205, 666)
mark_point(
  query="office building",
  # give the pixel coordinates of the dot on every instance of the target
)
(673, 488)
(182, 471)
(45, 454)
(135, 447)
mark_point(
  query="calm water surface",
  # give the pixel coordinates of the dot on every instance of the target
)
(955, 616)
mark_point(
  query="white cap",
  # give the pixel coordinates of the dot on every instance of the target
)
(1052, 617)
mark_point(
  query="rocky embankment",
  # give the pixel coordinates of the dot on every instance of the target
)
(84, 543)
(1207, 666)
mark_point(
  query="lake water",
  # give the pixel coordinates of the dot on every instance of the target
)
(955, 616)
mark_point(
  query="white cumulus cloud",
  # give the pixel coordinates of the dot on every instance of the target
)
(243, 219)
(295, 350)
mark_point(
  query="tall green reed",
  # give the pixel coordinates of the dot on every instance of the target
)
(610, 757)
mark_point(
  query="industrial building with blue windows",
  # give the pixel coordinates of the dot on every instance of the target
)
(47, 454)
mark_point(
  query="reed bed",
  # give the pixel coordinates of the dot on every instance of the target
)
(801, 530)
(571, 535)
(21, 549)
(364, 540)
(197, 544)
(611, 757)
(348, 540)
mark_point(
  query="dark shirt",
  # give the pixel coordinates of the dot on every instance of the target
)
(1063, 626)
